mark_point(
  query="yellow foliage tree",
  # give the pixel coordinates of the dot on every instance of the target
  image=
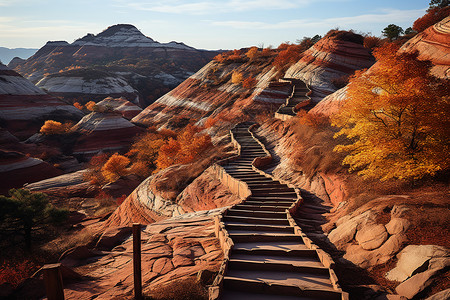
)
(397, 117)
(54, 127)
(236, 77)
(252, 53)
(115, 167)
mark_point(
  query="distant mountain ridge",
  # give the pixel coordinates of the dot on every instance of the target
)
(148, 69)
(7, 54)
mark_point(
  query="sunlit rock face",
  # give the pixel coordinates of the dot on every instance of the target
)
(104, 131)
(173, 250)
(330, 58)
(119, 61)
(433, 44)
(127, 109)
(86, 84)
(17, 169)
(210, 92)
(24, 107)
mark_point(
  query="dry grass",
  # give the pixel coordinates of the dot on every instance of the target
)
(316, 149)
(188, 289)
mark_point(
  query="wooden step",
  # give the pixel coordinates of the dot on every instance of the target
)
(256, 214)
(255, 220)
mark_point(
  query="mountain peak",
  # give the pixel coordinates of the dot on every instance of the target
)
(120, 35)
(119, 29)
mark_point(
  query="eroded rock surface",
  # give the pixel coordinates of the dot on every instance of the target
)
(173, 249)
(330, 58)
(24, 107)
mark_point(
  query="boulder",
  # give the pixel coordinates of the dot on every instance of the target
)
(346, 230)
(365, 259)
(415, 258)
(445, 294)
(371, 236)
(415, 284)
(397, 225)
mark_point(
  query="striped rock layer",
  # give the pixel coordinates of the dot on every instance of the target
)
(330, 58)
(104, 131)
(127, 109)
(129, 57)
(75, 87)
(210, 92)
(24, 107)
(432, 44)
(16, 169)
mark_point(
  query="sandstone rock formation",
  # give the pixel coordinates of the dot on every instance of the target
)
(104, 131)
(174, 249)
(88, 84)
(156, 198)
(433, 44)
(211, 92)
(24, 107)
(127, 109)
(366, 242)
(17, 169)
(112, 63)
(332, 57)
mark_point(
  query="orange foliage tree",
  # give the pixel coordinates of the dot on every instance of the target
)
(432, 16)
(188, 146)
(78, 105)
(288, 55)
(90, 105)
(115, 167)
(397, 118)
(54, 127)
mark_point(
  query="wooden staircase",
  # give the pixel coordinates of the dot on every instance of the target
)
(269, 257)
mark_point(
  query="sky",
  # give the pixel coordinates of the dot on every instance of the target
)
(204, 24)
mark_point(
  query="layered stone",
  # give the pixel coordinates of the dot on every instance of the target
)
(329, 59)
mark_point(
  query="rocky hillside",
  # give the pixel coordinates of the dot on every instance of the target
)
(103, 132)
(126, 63)
(335, 56)
(20, 169)
(211, 93)
(432, 44)
(24, 107)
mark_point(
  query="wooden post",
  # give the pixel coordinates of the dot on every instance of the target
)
(53, 282)
(137, 261)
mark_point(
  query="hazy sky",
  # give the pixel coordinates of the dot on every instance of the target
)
(207, 24)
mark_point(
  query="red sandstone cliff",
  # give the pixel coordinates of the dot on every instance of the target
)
(24, 107)
(337, 54)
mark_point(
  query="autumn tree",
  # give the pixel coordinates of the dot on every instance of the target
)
(236, 77)
(288, 55)
(188, 146)
(53, 127)
(434, 14)
(91, 105)
(78, 105)
(25, 212)
(397, 117)
(252, 53)
(115, 167)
